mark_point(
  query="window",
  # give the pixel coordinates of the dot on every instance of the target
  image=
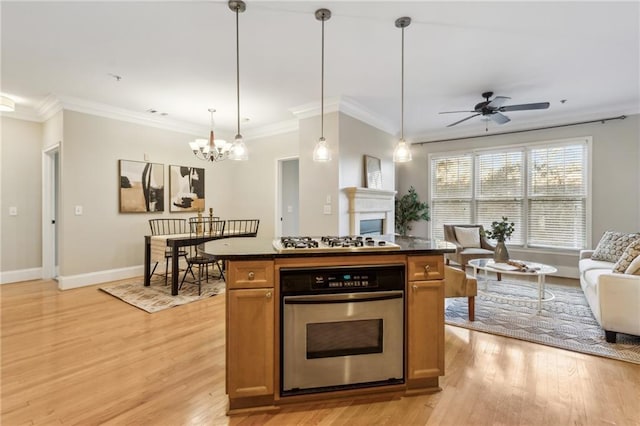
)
(542, 188)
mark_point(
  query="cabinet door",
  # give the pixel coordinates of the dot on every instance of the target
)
(425, 318)
(250, 342)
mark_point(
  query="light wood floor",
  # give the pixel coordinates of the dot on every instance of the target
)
(83, 357)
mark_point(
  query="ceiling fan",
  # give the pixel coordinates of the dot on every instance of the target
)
(492, 109)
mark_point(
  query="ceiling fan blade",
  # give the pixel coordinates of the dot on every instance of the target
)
(497, 102)
(523, 107)
(452, 112)
(499, 118)
(464, 119)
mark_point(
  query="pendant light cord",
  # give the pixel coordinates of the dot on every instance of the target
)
(322, 87)
(402, 90)
(238, 66)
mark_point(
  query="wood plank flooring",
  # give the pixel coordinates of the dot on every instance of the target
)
(83, 357)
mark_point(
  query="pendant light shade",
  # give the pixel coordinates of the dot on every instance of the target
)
(321, 152)
(238, 149)
(402, 151)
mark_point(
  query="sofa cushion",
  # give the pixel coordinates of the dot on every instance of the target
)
(612, 245)
(591, 277)
(468, 237)
(588, 264)
(630, 253)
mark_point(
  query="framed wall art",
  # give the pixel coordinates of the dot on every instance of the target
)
(372, 172)
(141, 187)
(186, 189)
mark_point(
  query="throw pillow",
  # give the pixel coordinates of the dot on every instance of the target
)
(630, 253)
(468, 237)
(612, 245)
(634, 268)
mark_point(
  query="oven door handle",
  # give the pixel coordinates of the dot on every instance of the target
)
(340, 298)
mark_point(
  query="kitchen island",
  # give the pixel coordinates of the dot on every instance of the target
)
(285, 344)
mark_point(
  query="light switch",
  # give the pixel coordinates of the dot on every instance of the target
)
(327, 209)
(13, 211)
(146, 157)
(78, 210)
(328, 199)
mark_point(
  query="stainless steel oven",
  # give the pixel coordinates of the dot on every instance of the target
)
(341, 328)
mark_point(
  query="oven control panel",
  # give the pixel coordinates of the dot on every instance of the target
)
(345, 280)
(340, 279)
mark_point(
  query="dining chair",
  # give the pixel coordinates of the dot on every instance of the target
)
(202, 227)
(168, 227)
(242, 227)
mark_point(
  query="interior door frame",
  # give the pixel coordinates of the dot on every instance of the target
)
(50, 196)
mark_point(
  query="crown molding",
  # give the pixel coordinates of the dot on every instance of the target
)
(347, 106)
(49, 107)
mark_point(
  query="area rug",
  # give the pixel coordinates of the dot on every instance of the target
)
(157, 296)
(565, 322)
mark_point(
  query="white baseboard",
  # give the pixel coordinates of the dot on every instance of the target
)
(7, 277)
(83, 280)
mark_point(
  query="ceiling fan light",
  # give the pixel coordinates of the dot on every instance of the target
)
(402, 153)
(321, 152)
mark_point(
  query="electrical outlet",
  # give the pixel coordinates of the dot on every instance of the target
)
(327, 209)
(289, 209)
(78, 210)
(13, 211)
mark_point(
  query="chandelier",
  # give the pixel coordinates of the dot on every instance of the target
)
(218, 149)
(212, 149)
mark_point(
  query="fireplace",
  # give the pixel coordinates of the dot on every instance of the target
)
(370, 210)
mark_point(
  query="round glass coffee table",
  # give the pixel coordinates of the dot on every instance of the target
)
(532, 269)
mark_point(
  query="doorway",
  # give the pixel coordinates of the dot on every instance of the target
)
(287, 204)
(50, 208)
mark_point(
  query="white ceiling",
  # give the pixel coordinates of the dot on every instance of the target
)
(179, 58)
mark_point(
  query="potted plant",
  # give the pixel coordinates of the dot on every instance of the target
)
(409, 209)
(500, 231)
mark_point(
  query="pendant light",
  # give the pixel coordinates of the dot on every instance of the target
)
(402, 151)
(321, 152)
(238, 148)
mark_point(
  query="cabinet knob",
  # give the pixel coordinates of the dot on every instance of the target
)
(251, 275)
(268, 295)
(414, 287)
(426, 268)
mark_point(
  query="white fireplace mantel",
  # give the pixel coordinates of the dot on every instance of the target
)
(367, 203)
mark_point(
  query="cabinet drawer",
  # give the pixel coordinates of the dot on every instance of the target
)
(424, 268)
(250, 274)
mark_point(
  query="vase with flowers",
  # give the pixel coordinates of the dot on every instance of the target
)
(500, 231)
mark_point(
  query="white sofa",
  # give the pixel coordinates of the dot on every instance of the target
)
(614, 298)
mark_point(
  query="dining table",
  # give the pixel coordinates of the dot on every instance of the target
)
(175, 242)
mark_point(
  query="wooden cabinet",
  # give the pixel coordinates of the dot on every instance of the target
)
(423, 268)
(250, 331)
(425, 320)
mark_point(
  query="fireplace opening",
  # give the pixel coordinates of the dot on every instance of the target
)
(371, 226)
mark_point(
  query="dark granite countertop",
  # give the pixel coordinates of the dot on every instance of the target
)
(253, 248)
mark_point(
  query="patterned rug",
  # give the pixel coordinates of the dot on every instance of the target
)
(157, 296)
(565, 322)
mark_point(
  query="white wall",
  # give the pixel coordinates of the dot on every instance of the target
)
(615, 176)
(358, 139)
(20, 182)
(319, 180)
